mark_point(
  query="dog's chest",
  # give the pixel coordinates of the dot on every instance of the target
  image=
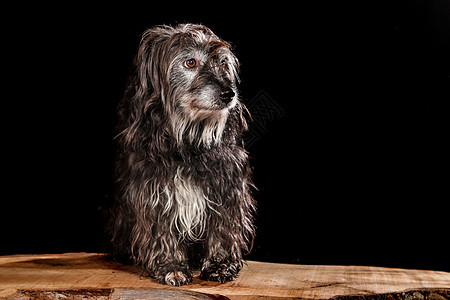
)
(200, 186)
(190, 206)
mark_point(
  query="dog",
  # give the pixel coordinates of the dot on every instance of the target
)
(183, 196)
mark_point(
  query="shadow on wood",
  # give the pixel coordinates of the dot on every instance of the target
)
(92, 275)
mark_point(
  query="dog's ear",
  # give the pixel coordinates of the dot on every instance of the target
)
(144, 86)
(234, 62)
(222, 47)
(150, 61)
(234, 66)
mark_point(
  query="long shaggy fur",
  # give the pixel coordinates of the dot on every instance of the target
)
(182, 177)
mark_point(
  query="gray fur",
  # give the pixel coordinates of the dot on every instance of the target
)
(182, 179)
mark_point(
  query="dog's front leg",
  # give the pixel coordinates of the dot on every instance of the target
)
(223, 259)
(167, 261)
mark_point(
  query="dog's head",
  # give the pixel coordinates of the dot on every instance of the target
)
(194, 75)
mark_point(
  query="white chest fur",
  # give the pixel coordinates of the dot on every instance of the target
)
(189, 205)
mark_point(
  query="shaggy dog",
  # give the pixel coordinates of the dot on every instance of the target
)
(182, 176)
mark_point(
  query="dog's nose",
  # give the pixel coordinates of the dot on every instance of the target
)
(227, 96)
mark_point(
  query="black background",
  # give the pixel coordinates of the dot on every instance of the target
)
(353, 171)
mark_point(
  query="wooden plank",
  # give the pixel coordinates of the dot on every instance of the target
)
(93, 274)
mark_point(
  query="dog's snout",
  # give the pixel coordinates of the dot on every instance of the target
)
(227, 95)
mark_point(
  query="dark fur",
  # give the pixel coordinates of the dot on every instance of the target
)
(157, 166)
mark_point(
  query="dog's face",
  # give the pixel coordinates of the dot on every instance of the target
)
(190, 68)
(194, 75)
(204, 77)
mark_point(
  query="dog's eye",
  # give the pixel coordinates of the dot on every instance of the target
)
(190, 63)
(224, 65)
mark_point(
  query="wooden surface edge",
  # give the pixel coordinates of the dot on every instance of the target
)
(415, 294)
(89, 273)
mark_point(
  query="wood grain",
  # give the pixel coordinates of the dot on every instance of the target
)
(92, 275)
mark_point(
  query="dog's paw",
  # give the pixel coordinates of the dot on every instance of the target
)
(221, 272)
(176, 278)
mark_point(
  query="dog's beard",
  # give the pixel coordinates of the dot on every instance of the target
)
(200, 122)
(199, 126)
